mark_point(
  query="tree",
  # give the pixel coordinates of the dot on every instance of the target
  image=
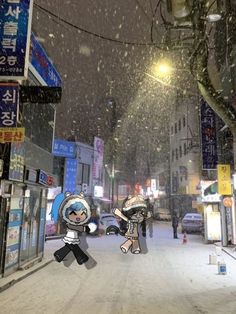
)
(201, 52)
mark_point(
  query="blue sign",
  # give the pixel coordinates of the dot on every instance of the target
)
(17, 161)
(42, 64)
(9, 100)
(15, 26)
(64, 149)
(70, 175)
(208, 137)
(45, 179)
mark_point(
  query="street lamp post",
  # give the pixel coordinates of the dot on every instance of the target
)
(112, 105)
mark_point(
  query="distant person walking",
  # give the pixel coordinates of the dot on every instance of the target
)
(175, 223)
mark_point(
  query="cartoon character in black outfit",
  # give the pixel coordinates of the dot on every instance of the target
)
(134, 212)
(75, 211)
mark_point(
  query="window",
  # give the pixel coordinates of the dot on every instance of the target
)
(185, 149)
(179, 124)
(172, 130)
(175, 128)
(184, 121)
(180, 151)
(173, 155)
(83, 174)
(176, 154)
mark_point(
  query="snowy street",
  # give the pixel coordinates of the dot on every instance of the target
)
(169, 278)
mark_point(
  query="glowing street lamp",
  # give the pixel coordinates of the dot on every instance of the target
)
(162, 68)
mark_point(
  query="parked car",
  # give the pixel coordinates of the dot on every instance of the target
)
(192, 222)
(162, 214)
(106, 220)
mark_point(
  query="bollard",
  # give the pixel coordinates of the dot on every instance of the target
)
(218, 250)
(212, 259)
(222, 268)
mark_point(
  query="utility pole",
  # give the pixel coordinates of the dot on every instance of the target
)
(112, 105)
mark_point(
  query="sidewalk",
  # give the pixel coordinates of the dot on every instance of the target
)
(31, 267)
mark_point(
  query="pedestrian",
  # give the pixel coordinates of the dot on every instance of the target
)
(175, 223)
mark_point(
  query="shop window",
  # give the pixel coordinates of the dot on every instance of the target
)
(176, 154)
(83, 174)
(185, 149)
(173, 155)
(180, 151)
(175, 127)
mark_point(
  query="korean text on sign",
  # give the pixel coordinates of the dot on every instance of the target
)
(15, 27)
(9, 101)
(12, 135)
(224, 180)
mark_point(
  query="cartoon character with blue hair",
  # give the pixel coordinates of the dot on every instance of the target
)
(75, 211)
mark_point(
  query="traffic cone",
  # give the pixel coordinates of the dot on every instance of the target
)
(185, 238)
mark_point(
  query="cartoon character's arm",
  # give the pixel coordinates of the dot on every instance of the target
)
(149, 215)
(90, 228)
(118, 213)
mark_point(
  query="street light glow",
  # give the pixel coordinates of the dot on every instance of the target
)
(162, 68)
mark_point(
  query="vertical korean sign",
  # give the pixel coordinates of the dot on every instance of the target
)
(9, 102)
(224, 179)
(15, 29)
(98, 158)
(208, 137)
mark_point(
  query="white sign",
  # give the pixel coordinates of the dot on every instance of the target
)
(98, 191)
(153, 184)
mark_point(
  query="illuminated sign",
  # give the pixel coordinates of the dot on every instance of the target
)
(45, 179)
(9, 101)
(15, 27)
(224, 179)
(12, 135)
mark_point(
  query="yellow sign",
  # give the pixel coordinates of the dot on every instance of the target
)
(224, 179)
(12, 135)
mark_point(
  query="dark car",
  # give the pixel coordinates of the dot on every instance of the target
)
(192, 222)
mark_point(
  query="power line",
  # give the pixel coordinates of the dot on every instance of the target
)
(123, 42)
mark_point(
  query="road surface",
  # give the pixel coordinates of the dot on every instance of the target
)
(168, 277)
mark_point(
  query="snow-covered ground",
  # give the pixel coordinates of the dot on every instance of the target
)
(169, 278)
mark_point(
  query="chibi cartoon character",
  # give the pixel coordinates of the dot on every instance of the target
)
(75, 211)
(134, 212)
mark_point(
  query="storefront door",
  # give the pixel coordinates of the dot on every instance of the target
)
(30, 226)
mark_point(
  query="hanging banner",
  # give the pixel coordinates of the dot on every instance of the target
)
(70, 175)
(9, 102)
(208, 137)
(98, 158)
(12, 135)
(15, 29)
(224, 180)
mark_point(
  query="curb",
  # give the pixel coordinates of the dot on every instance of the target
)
(228, 253)
(14, 281)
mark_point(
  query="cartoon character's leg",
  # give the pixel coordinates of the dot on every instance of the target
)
(62, 252)
(135, 247)
(126, 246)
(80, 256)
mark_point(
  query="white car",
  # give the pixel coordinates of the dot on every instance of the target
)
(106, 220)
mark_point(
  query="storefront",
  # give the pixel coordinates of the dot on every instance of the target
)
(23, 207)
